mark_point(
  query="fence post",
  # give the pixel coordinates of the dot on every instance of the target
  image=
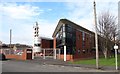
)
(59, 54)
(54, 53)
(43, 53)
(33, 55)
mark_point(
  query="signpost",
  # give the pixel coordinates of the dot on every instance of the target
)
(116, 47)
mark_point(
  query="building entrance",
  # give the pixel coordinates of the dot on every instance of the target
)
(48, 53)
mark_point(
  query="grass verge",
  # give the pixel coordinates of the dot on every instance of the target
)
(102, 61)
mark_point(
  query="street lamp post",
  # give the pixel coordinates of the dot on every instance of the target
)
(96, 36)
(116, 47)
(10, 41)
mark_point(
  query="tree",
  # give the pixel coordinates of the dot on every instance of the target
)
(107, 30)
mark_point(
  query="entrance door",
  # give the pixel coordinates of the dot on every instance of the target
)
(29, 54)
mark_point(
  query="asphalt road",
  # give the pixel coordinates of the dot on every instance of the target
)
(21, 66)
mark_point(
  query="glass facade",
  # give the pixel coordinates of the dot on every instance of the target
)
(70, 39)
(66, 36)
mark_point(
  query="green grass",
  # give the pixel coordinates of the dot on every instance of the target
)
(102, 61)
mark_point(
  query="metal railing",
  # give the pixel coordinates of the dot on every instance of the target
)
(51, 52)
(10, 51)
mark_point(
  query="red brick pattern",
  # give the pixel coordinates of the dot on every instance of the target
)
(24, 56)
(68, 57)
(45, 43)
(54, 44)
(89, 44)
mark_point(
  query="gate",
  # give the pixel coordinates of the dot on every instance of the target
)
(49, 53)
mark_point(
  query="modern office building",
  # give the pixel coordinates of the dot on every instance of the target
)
(76, 40)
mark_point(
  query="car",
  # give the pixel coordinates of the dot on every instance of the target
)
(2, 56)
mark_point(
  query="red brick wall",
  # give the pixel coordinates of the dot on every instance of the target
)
(78, 44)
(68, 57)
(45, 43)
(18, 57)
(88, 46)
(87, 41)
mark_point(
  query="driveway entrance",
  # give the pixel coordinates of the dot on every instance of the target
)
(48, 53)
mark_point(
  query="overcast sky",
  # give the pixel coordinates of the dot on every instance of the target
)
(20, 16)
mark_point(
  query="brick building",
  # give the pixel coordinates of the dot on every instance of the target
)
(46, 42)
(79, 41)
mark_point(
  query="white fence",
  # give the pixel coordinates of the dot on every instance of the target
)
(49, 53)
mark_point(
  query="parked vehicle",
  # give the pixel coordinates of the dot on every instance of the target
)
(2, 56)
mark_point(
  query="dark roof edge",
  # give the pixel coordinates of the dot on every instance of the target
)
(63, 20)
(79, 25)
(56, 28)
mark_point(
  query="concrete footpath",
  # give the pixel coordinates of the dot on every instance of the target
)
(51, 61)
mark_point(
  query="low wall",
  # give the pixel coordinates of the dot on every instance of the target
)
(17, 57)
(68, 57)
(13, 56)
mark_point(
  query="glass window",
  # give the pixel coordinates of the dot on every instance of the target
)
(63, 27)
(69, 35)
(37, 45)
(83, 39)
(63, 34)
(37, 28)
(69, 29)
(83, 36)
(83, 51)
(78, 50)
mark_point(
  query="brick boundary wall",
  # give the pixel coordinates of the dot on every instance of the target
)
(18, 57)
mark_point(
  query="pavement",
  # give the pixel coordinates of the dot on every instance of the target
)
(49, 65)
(51, 61)
(21, 66)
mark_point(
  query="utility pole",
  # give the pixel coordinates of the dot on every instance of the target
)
(96, 36)
(10, 39)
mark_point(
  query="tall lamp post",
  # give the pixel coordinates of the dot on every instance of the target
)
(10, 41)
(116, 47)
(96, 36)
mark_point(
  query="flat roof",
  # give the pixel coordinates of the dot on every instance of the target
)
(46, 38)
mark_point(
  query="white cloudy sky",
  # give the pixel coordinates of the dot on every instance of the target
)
(20, 16)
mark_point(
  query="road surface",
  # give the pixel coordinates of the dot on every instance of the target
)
(21, 66)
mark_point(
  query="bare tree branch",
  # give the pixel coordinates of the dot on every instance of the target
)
(107, 30)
